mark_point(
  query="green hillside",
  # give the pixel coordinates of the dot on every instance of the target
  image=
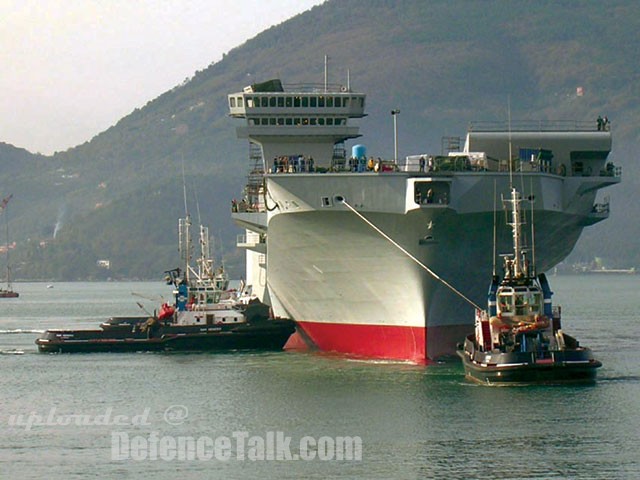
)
(443, 63)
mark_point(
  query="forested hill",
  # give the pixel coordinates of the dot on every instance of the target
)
(442, 63)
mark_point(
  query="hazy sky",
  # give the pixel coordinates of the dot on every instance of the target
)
(72, 68)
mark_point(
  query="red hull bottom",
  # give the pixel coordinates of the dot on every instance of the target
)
(414, 344)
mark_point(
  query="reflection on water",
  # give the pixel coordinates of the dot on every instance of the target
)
(415, 422)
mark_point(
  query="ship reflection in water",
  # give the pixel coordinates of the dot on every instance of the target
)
(414, 421)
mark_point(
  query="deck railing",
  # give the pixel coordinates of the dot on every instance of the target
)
(540, 126)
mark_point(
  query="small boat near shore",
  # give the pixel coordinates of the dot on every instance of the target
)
(8, 292)
(519, 338)
(204, 316)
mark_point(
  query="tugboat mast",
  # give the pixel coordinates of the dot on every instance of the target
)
(184, 244)
(518, 265)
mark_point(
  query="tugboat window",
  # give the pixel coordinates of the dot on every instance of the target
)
(506, 303)
(521, 304)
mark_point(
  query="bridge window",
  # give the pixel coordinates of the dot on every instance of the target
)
(272, 101)
(281, 102)
(296, 101)
(313, 102)
(265, 102)
(305, 102)
(289, 102)
(435, 193)
(320, 101)
(329, 101)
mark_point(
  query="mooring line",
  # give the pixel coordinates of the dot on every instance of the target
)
(408, 254)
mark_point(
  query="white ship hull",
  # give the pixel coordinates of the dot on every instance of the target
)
(351, 290)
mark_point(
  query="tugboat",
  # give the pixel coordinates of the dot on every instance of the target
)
(205, 315)
(519, 339)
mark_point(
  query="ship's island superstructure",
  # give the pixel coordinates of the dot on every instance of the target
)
(348, 288)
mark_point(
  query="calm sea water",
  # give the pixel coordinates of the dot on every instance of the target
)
(413, 421)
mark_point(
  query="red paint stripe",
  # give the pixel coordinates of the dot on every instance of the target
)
(370, 341)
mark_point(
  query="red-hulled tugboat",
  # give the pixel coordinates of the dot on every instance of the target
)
(519, 338)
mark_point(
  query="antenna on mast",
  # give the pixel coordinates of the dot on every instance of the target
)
(326, 73)
(195, 196)
(184, 188)
(533, 232)
(510, 153)
(184, 229)
(495, 234)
